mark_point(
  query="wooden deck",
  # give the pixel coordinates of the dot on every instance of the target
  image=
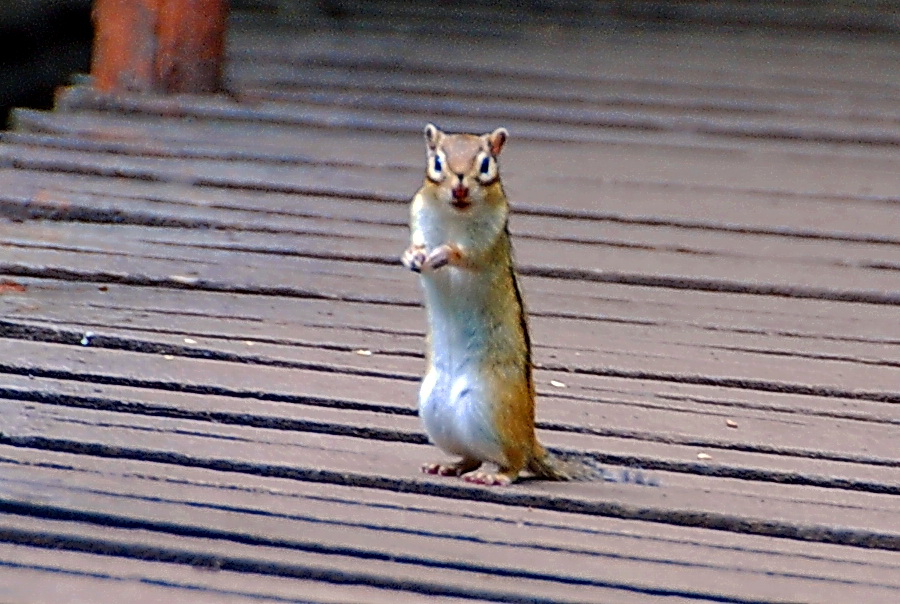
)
(210, 352)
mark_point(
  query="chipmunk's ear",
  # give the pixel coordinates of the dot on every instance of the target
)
(433, 136)
(496, 140)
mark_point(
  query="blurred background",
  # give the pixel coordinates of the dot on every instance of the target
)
(44, 43)
(47, 41)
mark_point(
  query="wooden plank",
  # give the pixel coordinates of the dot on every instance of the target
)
(625, 431)
(685, 500)
(30, 574)
(795, 319)
(198, 130)
(870, 280)
(795, 17)
(565, 346)
(872, 222)
(225, 267)
(837, 130)
(345, 360)
(697, 252)
(601, 406)
(710, 269)
(715, 56)
(752, 314)
(624, 351)
(440, 516)
(777, 319)
(606, 55)
(589, 345)
(618, 122)
(644, 94)
(595, 127)
(283, 513)
(732, 16)
(284, 561)
(646, 186)
(664, 201)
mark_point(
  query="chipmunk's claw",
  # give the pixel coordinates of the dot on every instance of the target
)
(439, 257)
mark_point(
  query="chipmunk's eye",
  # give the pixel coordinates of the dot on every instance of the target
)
(435, 167)
(487, 169)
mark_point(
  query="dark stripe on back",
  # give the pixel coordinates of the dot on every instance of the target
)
(523, 318)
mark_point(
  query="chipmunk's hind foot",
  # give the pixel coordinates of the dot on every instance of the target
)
(454, 469)
(500, 479)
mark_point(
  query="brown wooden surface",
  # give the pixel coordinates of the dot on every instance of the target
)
(162, 46)
(209, 352)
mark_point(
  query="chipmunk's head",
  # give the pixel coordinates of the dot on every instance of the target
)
(462, 168)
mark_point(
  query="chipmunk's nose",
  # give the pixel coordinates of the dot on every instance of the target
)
(460, 193)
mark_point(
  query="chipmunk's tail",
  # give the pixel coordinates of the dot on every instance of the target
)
(551, 466)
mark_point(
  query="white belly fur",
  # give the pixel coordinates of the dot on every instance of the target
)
(455, 400)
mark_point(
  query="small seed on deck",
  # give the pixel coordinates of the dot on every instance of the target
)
(190, 341)
(731, 423)
(184, 279)
(703, 456)
(557, 384)
(363, 352)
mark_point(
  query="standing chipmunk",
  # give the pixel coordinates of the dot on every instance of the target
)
(477, 397)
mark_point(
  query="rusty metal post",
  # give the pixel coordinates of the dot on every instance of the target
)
(161, 46)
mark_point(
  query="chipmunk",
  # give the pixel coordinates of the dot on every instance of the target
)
(477, 397)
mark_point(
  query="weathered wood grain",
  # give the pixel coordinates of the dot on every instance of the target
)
(317, 522)
(73, 425)
(686, 261)
(35, 573)
(669, 437)
(209, 355)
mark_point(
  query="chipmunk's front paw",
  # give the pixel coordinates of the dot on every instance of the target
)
(414, 257)
(440, 256)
